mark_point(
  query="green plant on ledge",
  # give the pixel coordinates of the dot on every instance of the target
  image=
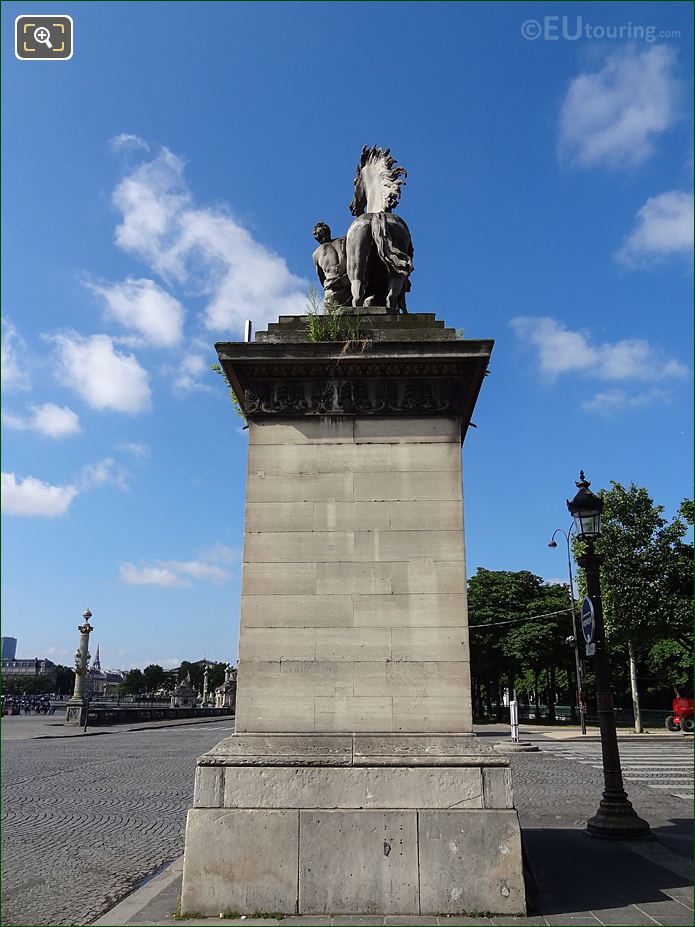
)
(331, 322)
(232, 395)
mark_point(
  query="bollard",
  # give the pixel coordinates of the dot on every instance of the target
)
(514, 719)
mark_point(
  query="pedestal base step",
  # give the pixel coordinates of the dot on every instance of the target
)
(353, 861)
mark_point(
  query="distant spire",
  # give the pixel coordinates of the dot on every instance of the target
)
(97, 662)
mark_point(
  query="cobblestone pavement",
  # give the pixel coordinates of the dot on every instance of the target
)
(85, 818)
(658, 765)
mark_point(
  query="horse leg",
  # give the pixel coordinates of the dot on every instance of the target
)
(357, 247)
(394, 291)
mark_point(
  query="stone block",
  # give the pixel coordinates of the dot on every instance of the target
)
(277, 644)
(321, 429)
(278, 578)
(240, 861)
(438, 456)
(354, 458)
(410, 680)
(407, 486)
(352, 787)
(410, 611)
(300, 487)
(352, 713)
(296, 611)
(208, 791)
(298, 677)
(259, 712)
(350, 516)
(279, 516)
(454, 749)
(358, 862)
(414, 516)
(283, 459)
(433, 713)
(352, 644)
(264, 749)
(470, 861)
(301, 546)
(401, 430)
(436, 644)
(406, 545)
(354, 578)
(497, 788)
(425, 575)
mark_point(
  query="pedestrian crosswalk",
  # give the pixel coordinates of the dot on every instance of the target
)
(665, 765)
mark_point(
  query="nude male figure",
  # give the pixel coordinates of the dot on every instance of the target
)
(331, 269)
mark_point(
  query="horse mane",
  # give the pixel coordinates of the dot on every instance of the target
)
(390, 174)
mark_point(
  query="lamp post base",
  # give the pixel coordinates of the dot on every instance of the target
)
(616, 819)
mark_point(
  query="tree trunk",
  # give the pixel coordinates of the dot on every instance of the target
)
(635, 692)
(551, 693)
(535, 694)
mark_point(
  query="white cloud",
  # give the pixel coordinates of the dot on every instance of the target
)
(30, 496)
(611, 401)
(220, 553)
(33, 497)
(47, 419)
(663, 228)
(136, 448)
(179, 572)
(103, 377)
(101, 472)
(125, 141)
(198, 570)
(188, 371)
(149, 576)
(561, 350)
(13, 360)
(612, 116)
(144, 306)
(204, 249)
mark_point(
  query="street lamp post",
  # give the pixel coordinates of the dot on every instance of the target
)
(615, 816)
(77, 706)
(577, 660)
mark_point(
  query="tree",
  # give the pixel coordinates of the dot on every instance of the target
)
(65, 679)
(134, 682)
(646, 579)
(153, 677)
(511, 651)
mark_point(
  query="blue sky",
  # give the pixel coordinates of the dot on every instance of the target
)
(161, 186)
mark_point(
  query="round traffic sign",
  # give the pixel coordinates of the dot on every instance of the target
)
(588, 620)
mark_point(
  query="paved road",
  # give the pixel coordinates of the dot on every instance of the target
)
(85, 818)
(662, 765)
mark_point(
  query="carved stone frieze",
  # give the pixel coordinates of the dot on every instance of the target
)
(333, 395)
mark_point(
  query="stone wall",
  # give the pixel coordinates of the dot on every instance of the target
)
(353, 609)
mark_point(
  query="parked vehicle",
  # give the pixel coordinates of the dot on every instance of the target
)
(682, 717)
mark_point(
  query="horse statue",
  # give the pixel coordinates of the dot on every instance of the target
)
(378, 247)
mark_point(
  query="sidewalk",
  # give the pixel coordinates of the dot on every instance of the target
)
(570, 732)
(572, 881)
(36, 727)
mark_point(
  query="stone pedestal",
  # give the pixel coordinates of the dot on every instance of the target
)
(76, 712)
(353, 783)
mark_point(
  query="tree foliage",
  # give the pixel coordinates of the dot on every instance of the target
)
(647, 580)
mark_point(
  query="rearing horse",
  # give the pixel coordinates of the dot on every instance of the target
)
(379, 250)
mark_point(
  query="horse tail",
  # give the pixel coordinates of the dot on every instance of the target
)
(399, 262)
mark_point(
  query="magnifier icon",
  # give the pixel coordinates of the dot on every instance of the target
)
(43, 35)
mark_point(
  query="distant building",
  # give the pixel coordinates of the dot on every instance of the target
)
(103, 683)
(9, 648)
(19, 671)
